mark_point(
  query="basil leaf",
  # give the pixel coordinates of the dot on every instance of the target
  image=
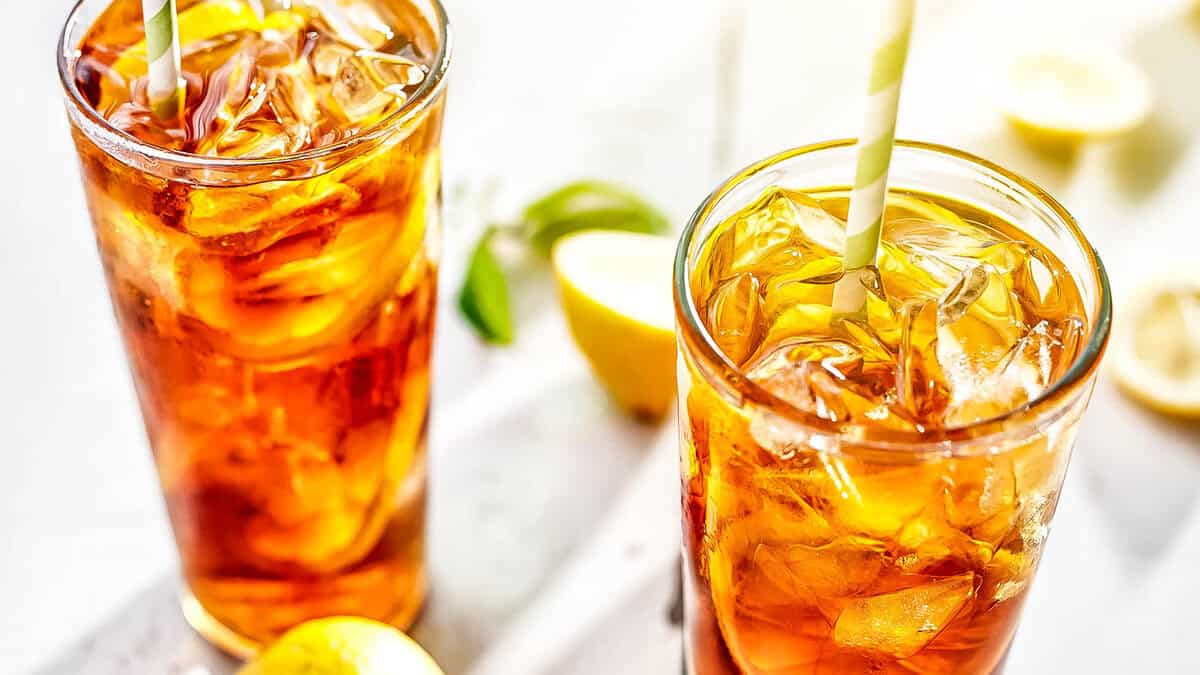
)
(589, 205)
(484, 295)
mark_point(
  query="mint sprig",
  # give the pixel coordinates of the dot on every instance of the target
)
(584, 205)
(484, 296)
(589, 205)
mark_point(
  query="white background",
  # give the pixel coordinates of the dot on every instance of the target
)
(637, 91)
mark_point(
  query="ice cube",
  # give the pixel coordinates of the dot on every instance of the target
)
(1029, 366)
(959, 298)
(879, 503)
(340, 24)
(1034, 525)
(845, 567)
(327, 57)
(947, 240)
(1007, 575)
(1030, 363)
(921, 385)
(929, 545)
(779, 436)
(904, 622)
(143, 254)
(767, 626)
(808, 288)
(847, 380)
(234, 91)
(786, 513)
(848, 495)
(365, 18)
(1042, 463)
(980, 310)
(260, 138)
(784, 230)
(805, 373)
(735, 312)
(1043, 286)
(293, 100)
(923, 257)
(719, 254)
(393, 69)
(354, 88)
(368, 82)
(981, 496)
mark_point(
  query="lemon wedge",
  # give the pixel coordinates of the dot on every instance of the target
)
(1061, 98)
(207, 20)
(343, 646)
(615, 289)
(1156, 345)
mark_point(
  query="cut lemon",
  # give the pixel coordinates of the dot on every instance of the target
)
(208, 20)
(1060, 98)
(1156, 345)
(343, 646)
(615, 289)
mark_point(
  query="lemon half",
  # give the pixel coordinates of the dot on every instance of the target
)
(1156, 345)
(1063, 97)
(615, 289)
(343, 646)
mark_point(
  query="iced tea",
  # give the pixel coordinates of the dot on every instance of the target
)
(272, 259)
(871, 493)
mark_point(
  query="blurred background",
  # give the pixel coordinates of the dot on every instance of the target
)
(529, 454)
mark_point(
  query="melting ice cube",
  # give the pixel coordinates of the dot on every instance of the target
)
(903, 622)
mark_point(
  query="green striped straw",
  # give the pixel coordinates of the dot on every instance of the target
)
(865, 219)
(166, 88)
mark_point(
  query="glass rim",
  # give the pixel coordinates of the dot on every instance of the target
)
(429, 91)
(696, 337)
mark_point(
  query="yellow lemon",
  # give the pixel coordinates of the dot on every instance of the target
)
(615, 289)
(1059, 98)
(343, 646)
(207, 20)
(1156, 345)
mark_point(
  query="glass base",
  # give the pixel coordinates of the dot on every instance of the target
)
(218, 634)
(244, 648)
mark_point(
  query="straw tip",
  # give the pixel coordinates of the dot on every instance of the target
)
(170, 105)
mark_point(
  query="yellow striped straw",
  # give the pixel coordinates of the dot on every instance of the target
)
(166, 88)
(865, 219)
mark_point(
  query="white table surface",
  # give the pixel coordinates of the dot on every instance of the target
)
(528, 453)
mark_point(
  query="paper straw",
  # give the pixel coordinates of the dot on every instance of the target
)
(165, 88)
(890, 51)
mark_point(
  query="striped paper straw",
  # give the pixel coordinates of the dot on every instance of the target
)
(165, 87)
(874, 154)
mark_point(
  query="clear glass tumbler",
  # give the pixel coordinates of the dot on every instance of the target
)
(278, 316)
(818, 548)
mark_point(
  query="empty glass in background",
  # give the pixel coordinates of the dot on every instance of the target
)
(274, 276)
(873, 496)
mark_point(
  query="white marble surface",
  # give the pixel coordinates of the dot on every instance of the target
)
(528, 454)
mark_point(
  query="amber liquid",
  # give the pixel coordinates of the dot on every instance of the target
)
(279, 333)
(804, 558)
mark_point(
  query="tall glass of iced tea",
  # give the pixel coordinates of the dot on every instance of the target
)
(272, 259)
(871, 493)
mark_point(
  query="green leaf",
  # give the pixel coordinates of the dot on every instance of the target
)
(484, 296)
(589, 205)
